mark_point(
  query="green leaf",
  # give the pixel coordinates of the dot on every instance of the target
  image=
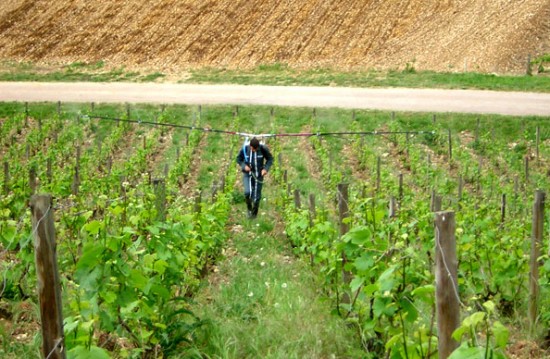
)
(93, 227)
(69, 324)
(501, 334)
(371, 289)
(490, 306)
(109, 296)
(425, 293)
(363, 263)
(356, 283)
(8, 232)
(90, 258)
(465, 352)
(411, 314)
(137, 279)
(113, 243)
(473, 320)
(149, 260)
(160, 266)
(396, 339)
(383, 306)
(117, 211)
(81, 352)
(160, 291)
(386, 279)
(459, 332)
(154, 230)
(358, 235)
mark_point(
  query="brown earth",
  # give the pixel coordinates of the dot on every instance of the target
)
(172, 36)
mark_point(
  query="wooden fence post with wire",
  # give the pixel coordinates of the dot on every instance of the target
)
(49, 290)
(446, 279)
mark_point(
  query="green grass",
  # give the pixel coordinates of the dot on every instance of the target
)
(74, 72)
(268, 304)
(284, 75)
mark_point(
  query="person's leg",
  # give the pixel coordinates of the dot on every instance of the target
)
(257, 197)
(247, 192)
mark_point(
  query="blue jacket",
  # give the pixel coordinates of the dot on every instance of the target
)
(257, 161)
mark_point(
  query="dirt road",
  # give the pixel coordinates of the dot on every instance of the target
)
(394, 99)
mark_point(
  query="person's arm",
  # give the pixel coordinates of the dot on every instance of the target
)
(268, 158)
(240, 159)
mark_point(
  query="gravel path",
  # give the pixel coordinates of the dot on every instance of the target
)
(395, 99)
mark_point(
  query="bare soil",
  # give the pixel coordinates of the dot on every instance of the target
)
(173, 36)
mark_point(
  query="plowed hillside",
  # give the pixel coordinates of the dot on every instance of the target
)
(444, 35)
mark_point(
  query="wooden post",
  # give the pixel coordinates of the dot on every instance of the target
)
(477, 131)
(160, 199)
(435, 202)
(32, 180)
(222, 183)
(49, 174)
(297, 201)
(49, 290)
(434, 118)
(392, 207)
(198, 200)
(6, 177)
(343, 213)
(312, 209)
(446, 279)
(76, 181)
(535, 263)
(128, 113)
(59, 108)
(26, 114)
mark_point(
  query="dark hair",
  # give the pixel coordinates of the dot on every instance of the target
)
(254, 143)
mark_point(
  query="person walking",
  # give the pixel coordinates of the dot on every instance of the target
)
(255, 161)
